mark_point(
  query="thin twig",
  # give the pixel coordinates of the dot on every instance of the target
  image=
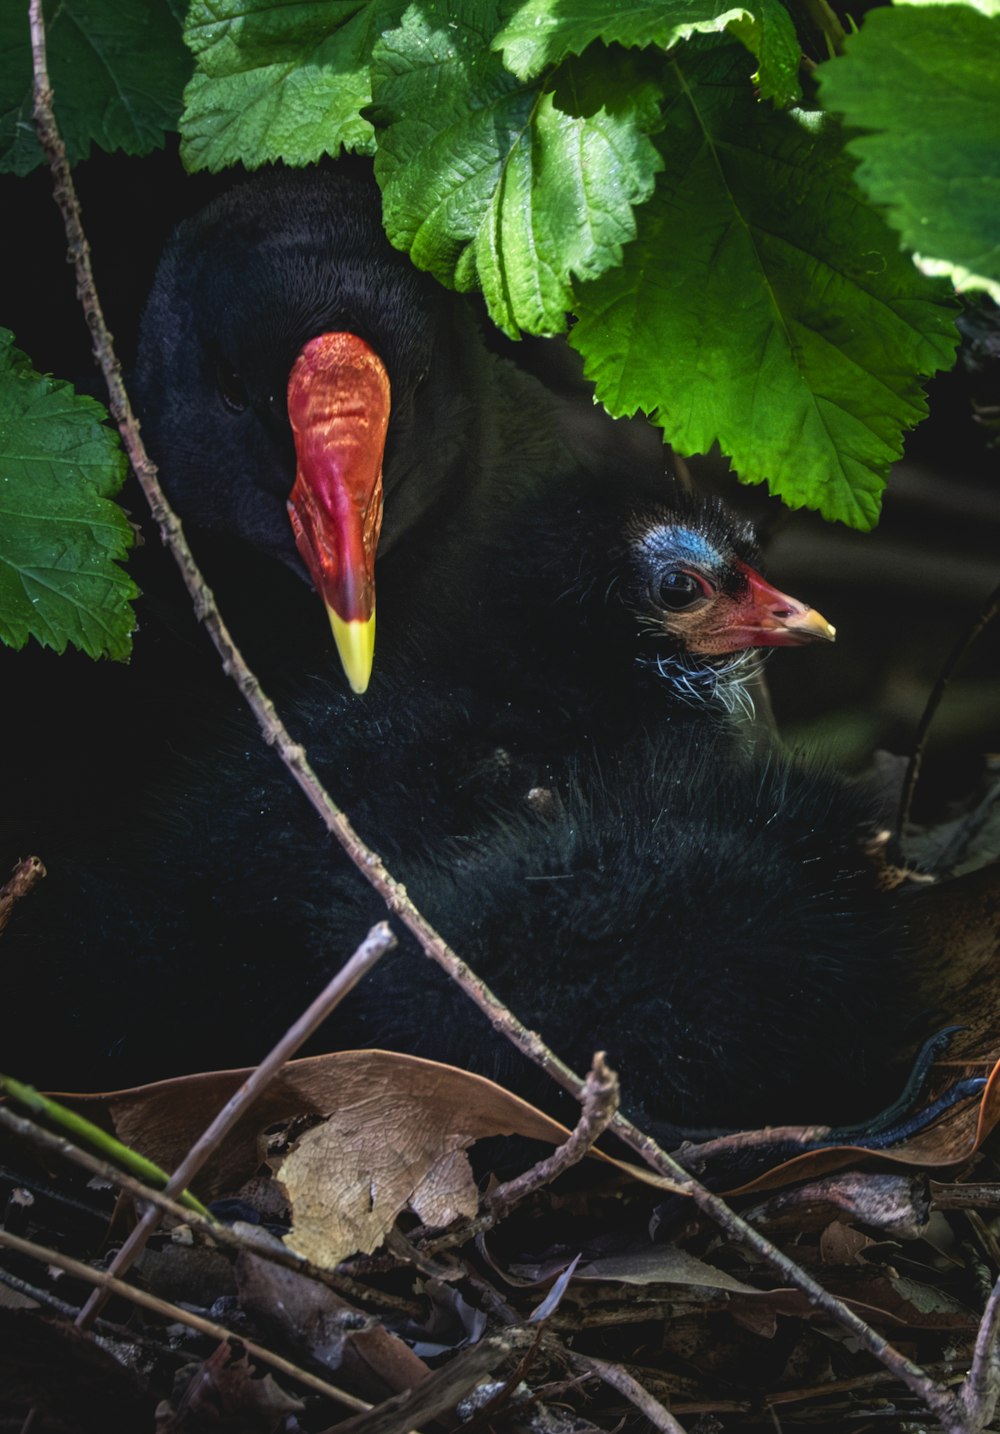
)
(699, 1154)
(979, 1393)
(110, 1285)
(600, 1102)
(26, 875)
(619, 1378)
(986, 615)
(378, 941)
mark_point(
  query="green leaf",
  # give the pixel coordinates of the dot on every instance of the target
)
(766, 306)
(118, 70)
(60, 536)
(768, 33)
(84, 1132)
(925, 81)
(279, 80)
(487, 182)
(541, 33)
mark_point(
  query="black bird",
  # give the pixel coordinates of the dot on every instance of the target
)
(269, 270)
(292, 365)
(280, 324)
(193, 934)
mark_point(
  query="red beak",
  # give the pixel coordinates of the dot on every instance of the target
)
(761, 616)
(769, 618)
(338, 406)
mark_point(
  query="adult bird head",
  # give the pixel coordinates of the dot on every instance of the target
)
(281, 333)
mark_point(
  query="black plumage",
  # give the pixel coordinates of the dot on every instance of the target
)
(551, 622)
(711, 921)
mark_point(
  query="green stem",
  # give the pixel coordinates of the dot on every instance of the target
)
(90, 1134)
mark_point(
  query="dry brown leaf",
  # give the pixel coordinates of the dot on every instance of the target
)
(164, 1119)
(380, 1154)
(310, 1317)
(897, 1204)
(842, 1244)
(446, 1192)
(226, 1394)
(914, 1303)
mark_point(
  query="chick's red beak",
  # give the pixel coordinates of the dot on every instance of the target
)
(769, 618)
(761, 616)
(338, 406)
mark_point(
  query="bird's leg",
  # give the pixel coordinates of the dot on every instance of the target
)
(904, 1118)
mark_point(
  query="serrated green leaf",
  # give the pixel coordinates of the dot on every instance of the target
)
(541, 33)
(925, 80)
(486, 182)
(766, 306)
(768, 33)
(60, 536)
(118, 70)
(279, 80)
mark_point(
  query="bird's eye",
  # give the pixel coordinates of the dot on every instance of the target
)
(678, 589)
(232, 390)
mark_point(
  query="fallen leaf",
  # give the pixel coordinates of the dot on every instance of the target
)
(225, 1394)
(451, 1322)
(164, 1119)
(660, 1264)
(842, 1244)
(381, 1153)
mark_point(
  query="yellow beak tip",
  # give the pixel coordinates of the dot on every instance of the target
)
(355, 641)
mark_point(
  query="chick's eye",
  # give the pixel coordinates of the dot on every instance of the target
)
(232, 390)
(677, 589)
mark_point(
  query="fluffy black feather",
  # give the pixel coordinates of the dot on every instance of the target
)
(711, 923)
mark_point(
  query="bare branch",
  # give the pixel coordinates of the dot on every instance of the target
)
(25, 876)
(981, 1389)
(619, 1378)
(600, 1103)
